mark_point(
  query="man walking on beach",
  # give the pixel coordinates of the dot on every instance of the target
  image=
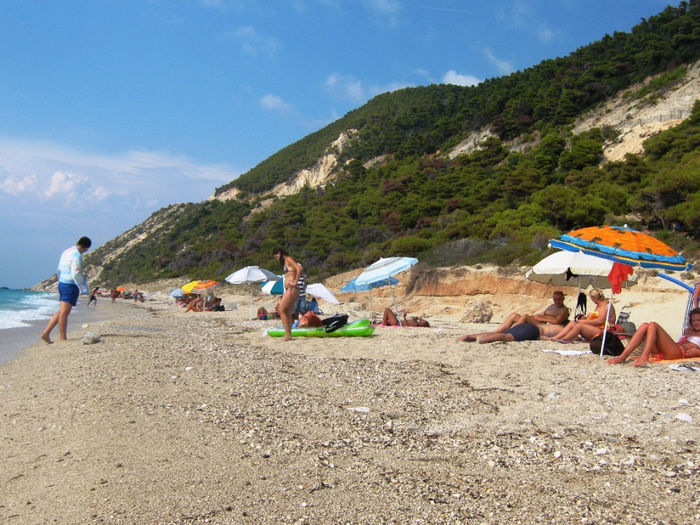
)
(71, 283)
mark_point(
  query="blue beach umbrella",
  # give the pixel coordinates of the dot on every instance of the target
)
(273, 287)
(352, 286)
(384, 268)
(381, 272)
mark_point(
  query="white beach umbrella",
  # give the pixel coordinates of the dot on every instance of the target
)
(566, 268)
(318, 290)
(251, 274)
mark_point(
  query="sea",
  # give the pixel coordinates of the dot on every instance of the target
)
(21, 307)
(23, 315)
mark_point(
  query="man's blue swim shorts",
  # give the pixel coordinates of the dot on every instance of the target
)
(68, 293)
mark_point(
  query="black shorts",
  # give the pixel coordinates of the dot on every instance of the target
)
(524, 332)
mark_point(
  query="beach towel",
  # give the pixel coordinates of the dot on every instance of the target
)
(568, 352)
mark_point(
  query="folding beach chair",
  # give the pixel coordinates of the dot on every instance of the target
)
(624, 328)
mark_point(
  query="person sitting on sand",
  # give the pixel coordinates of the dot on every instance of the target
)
(196, 304)
(556, 314)
(210, 300)
(659, 343)
(214, 306)
(312, 305)
(591, 325)
(517, 332)
(390, 319)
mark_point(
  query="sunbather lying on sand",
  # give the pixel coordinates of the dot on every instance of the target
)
(556, 314)
(552, 317)
(390, 319)
(517, 332)
(591, 325)
(658, 342)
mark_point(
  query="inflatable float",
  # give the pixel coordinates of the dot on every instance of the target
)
(361, 328)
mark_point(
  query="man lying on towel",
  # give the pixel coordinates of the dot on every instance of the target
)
(517, 332)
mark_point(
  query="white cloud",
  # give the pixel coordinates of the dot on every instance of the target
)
(53, 173)
(386, 10)
(64, 184)
(255, 44)
(425, 74)
(524, 16)
(276, 104)
(384, 6)
(345, 87)
(545, 34)
(452, 77)
(349, 88)
(17, 185)
(503, 66)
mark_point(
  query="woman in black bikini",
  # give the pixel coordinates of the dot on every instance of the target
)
(293, 276)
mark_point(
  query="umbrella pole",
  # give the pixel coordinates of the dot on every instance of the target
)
(605, 327)
(251, 303)
(371, 317)
(396, 306)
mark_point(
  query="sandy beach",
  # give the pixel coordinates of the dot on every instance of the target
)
(201, 418)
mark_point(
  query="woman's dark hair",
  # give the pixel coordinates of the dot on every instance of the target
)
(282, 252)
(694, 311)
(84, 242)
(581, 305)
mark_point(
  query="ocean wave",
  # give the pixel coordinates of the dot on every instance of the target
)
(19, 308)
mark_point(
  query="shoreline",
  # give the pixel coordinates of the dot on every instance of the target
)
(194, 417)
(18, 339)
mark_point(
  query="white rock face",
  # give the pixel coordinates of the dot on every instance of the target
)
(317, 176)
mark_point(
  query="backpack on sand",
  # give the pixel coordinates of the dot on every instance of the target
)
(332, 323)
(613, 345)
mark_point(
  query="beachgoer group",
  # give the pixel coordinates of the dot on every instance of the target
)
(552, 323)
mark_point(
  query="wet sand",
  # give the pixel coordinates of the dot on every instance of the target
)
(16, 340)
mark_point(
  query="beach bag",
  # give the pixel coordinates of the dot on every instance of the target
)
(332, 323)
(613, 345)
(310, 319)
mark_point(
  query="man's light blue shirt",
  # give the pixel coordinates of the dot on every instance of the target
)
(70, 269)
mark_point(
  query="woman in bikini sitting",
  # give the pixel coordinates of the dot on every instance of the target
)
(659, 343)
(293, 272)
(591, 325)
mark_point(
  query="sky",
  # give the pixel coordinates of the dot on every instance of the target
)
(113, 109)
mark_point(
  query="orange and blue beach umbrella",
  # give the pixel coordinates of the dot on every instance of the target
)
(623, 245)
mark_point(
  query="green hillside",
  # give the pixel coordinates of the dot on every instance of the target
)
(491, 205)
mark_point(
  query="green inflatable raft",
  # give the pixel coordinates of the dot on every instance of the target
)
(361, 328)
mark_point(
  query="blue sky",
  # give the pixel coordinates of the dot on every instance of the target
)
(112, 109)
